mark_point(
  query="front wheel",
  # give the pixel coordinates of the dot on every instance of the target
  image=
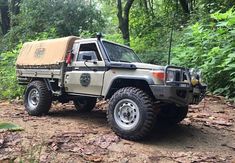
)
(37, 99)
(131, 113)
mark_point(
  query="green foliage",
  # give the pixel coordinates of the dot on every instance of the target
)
(114, 37)
(150, 31)
(10, 127)
(9, 87)
(65, 17)
(68, 17)
(210, 46)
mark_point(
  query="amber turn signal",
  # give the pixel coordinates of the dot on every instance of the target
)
(159, 75)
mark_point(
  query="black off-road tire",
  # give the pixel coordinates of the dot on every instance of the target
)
(144, 104)
(172, 114)
(84, 104)
(44, 98)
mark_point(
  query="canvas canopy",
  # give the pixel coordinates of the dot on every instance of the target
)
(47, 52)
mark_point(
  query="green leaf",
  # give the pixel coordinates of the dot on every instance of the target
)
(231, 21)
(222, 24)
(232, 55)
(9, 127)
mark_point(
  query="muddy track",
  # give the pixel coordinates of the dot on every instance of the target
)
(206, 135)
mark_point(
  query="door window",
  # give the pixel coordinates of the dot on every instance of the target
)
(88, 48)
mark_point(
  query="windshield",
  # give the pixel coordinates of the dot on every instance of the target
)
(119, 53)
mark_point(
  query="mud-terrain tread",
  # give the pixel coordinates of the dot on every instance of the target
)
(146, 107)
(88, 107)
(45, 98)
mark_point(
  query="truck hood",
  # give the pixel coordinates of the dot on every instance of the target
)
(149, 66)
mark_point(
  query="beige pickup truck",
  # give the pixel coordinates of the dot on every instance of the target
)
(82, 70)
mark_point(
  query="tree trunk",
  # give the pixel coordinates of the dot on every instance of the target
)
(123, 18)
(14, 10)
(5, 25)
(185, 7)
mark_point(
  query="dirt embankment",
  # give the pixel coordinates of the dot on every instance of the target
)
(206, 135)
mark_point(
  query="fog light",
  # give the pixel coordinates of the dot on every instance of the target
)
(194, 82)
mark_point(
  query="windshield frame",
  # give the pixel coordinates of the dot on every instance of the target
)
(122, 46)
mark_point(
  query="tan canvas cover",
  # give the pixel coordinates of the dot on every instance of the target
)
(47, 52)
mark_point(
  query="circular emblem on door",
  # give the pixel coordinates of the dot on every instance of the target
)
(85, 79)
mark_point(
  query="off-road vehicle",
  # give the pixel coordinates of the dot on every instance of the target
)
(82, 70)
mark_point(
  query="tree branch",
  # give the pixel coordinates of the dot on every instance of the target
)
(127, 8)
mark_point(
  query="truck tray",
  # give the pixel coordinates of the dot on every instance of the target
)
(45, 54)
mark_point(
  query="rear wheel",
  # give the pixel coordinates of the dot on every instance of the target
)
(172, 114)
(131, 114)
(37, 99)
(85, 104)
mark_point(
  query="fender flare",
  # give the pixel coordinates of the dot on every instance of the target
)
(146, 79)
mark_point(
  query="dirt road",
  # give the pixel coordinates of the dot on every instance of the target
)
(206, 135)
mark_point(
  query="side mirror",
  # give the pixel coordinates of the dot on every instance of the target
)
(87, 56)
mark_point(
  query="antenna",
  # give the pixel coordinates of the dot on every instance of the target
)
(171, 36)
(170, 46)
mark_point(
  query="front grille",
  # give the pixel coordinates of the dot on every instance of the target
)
(177, 76)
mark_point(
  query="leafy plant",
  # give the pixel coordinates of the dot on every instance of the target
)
(9, 126)
(210, 46)
(9, 88)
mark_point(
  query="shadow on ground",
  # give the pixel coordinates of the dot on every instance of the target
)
(176, 137)
(95, 116)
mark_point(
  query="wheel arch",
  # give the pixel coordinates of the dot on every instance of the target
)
(51, 86)
(46, 81)
(121, 82)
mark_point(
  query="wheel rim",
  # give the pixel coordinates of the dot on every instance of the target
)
(126, 114)
(33, 98)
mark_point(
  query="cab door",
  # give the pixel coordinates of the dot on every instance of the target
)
(86, 72)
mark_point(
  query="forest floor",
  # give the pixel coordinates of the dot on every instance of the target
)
(206, 135)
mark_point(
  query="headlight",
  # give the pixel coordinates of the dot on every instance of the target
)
(195, 73)
(161, 75)
(171, 76)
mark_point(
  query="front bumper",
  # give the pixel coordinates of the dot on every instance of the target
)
(178, 95)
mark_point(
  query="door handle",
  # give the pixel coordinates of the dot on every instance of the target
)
(66, 76)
